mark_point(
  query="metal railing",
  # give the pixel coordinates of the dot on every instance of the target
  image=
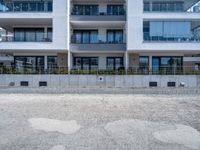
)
(171, 38)
(30, 6)
(180, 70)
(32, 70)
(11, 38)
(97, 39)
(97, 13)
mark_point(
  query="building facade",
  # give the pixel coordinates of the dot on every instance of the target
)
(146, 36)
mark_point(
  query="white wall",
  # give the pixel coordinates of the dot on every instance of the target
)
(134, 24)
(60, 24)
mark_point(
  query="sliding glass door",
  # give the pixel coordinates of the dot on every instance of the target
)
(85, 36)
(114, 63)
(115, 36)
(167, 65)
(29, 64)
(86, 63)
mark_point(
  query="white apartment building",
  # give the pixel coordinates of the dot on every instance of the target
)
(100, 34)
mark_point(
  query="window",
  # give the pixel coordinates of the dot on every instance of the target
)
(89, 10)
(52, 62)
(25, 6)
(86, 63)
(49, 34)
(93, 37)
(85, 36)
(165, 6)
(40, 6)
(146, 6)
(19, 35)
(49, 7)
(167, 64)
(167, 30)
(114, 63)
(116, 10)
(17, 6)
(30, 64)
(114, 36)
(33, 6)
(39, 35)
(29, 34)
(144, 61)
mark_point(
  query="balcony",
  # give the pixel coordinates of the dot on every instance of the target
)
(172, 38)
(26, 35)
(171, 31)
(26, 6)
(24, 39)
(98, 43)
(189, 6)
(97, 18)
(93, 13)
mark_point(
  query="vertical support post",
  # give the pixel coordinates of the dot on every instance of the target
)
(45, 62)
(150, 64)
(126, 61)
(69, 61)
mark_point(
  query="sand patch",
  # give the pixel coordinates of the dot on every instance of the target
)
(52, 125)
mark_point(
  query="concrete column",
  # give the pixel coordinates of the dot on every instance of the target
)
(45, 62)
(126, 61)
(150, 64)
(69, 61)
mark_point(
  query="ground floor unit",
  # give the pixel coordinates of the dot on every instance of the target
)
(139, 63)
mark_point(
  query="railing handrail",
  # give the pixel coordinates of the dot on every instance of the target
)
(9, 6)
(100, 39)
(135, 70)
(159, 8)
(172, 37)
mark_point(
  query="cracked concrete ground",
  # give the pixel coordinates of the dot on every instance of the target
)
(99, 122)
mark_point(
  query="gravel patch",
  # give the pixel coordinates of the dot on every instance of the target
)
(183, 135)
(99, 121)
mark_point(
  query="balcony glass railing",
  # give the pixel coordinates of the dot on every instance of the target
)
(11, 38)
(96, 12)
(164, 7)
(97, 39)
(25, 6)
(171, 38)
(170, 7)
